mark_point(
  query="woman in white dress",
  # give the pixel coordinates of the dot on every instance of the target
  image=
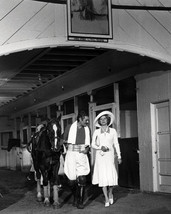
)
(105, 142)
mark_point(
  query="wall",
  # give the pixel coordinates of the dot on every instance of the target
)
(11, 159)
(3, 158)
(151, 88)
(5, 126)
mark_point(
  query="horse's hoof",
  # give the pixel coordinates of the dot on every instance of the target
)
(56, 205)
(47, 204)
(39, 199)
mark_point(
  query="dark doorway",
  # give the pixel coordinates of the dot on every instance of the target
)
(128, 140)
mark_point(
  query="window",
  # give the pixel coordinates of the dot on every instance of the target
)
(68, 107)
(25, 120)
(67, 120)
(83, 101)
(5, 136)
(104, 95)
(53, 110)
(42, 112)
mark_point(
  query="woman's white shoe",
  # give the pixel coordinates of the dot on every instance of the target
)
(111, 200)
(107, 204)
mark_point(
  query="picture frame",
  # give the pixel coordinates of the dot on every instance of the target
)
(89, 19)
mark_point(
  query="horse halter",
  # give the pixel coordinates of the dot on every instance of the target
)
(55, 128)
(56, 138)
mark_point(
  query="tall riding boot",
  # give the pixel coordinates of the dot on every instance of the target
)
(81, 197)
(75, 195)
(74, 190)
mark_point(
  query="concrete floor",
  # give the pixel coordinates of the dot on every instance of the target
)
(21, 198)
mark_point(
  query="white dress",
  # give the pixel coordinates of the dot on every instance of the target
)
(105, 172)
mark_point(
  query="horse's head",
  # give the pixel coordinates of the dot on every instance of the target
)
(54, 131)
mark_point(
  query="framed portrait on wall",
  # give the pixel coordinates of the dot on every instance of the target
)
(89, 18)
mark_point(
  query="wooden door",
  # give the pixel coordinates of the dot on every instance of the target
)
(163, 146)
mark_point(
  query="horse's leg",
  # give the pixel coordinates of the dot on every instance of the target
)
(49, 189)
(56, 203)
(39, 194)
(38, 176)
(46, 196)
(46, 189)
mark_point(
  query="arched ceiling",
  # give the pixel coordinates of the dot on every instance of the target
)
(38, 76)
(26, 70)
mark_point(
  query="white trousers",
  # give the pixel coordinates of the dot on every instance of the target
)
(76, 164)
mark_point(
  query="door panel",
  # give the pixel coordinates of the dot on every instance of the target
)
(165, 168)
(165, 180)
(164, 145)
(163, 118)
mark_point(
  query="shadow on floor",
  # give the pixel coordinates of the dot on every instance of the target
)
(13, 186)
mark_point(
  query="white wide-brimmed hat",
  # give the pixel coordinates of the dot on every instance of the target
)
(104, 113)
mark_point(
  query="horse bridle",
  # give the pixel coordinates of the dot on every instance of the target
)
(56, 137)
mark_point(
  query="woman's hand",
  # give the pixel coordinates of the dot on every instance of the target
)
(104, 148)
(119, 160)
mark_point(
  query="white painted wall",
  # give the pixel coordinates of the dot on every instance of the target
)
(16, 158)
(3, 158)
(25, 160)
(151, 88)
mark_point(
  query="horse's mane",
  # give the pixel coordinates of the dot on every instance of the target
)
(37, 141)
(43, 141)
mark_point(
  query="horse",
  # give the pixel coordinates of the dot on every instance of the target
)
(46, 148)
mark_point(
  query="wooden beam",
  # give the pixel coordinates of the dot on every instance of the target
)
(114, 6)
(133, 7)
(49, 70)
(53, 1)
(64, 58)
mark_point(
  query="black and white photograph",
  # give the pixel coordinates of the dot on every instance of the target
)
(85, 106)
(90, 18)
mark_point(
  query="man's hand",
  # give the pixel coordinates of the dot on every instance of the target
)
(85, 151)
